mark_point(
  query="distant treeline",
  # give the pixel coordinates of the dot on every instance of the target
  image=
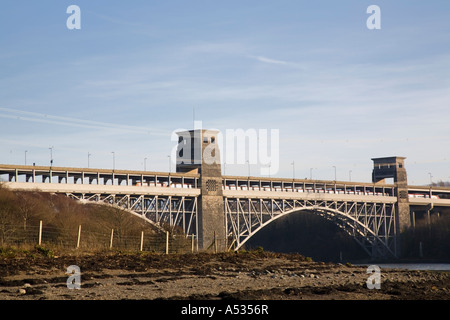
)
(429, 239)
(440, 184)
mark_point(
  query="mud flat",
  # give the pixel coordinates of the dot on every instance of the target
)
(223, 276)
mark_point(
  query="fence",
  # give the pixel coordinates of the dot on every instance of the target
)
(23, 236)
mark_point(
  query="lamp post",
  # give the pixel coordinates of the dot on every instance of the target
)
(335, 179)
(310, 173)
(26, 157)
(89, 155)
(114, 160)
(293, 170)
(145, 164)
(51, 156)
(248, 165)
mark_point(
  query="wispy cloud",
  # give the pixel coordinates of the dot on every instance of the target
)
(269, 60)
(68, 121)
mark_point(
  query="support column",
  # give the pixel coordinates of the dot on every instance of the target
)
(394, 167)
(198, 152)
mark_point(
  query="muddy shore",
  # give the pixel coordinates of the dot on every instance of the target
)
(237, 276)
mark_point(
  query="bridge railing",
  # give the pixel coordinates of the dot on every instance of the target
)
(308, 187)
(40, 174)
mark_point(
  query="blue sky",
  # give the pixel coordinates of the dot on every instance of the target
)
(339, 93)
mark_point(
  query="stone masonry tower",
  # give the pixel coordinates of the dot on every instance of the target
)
(394, 167)
(198, 152)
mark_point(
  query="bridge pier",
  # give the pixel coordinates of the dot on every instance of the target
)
(198, 152)
(394, 167)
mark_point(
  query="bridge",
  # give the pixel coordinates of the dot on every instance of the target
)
(226, 211)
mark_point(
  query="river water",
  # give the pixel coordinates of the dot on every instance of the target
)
(413, 266)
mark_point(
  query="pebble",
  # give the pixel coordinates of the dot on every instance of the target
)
(21, 291)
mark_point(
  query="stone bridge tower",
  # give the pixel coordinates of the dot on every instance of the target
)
(394, 167)
(198, 152)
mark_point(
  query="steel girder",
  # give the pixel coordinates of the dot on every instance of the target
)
(164, 212)
(372, 225)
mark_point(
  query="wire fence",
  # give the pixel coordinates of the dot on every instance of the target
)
(31, 235)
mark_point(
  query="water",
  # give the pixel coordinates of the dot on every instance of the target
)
(414, 266)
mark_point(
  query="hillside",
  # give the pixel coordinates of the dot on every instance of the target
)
(21, 212)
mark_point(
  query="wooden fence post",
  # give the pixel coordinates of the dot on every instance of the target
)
(40, 232)
(79, 235)
(111, 240)
(167, 242)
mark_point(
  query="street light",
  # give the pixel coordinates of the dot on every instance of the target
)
(248, 164)
(26, 157)
(51, 156)
(350, 175)
(293, 170)
(431, 179)
(88, 158)
(114, 159)
(335, 179)
(310, 172)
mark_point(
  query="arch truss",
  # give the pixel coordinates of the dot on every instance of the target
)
(371, 224)
(162, 211)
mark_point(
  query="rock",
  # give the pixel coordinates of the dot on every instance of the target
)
(21, 291)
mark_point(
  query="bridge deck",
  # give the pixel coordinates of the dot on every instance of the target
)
(90, 180)
(67, 175)
(103, 189)
(307, 196)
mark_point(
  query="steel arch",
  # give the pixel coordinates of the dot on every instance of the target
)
(370, 224)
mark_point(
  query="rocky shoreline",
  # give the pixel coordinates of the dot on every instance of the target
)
(203, 276)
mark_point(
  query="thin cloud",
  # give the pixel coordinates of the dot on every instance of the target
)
(268, 60)
(66, 121)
